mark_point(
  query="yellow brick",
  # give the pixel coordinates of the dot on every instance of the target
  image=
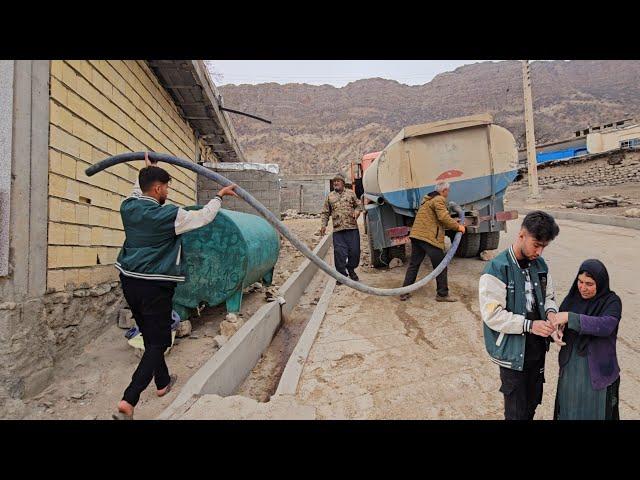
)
(115, 220)
(84, 236)
(84, 256)
(82, 214)
(57, 185)
(108, 256)
(54, 209)
(86, 276)
(72, 189)
(116, 201)
(85, 150)
(79, 127)
(64, 142)
(71, 235)
(98, 217)
(59, 92)
(97, 236)
(59, 256)
(55, 161)
(68, 166)
(54, 113)
(55, 280)
(56, 68)
(71, 277)
(69, 77)
(68, 212)
(56, 234)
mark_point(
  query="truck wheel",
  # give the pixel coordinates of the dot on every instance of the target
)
(489, 241)
(397, 252)
(469, 245)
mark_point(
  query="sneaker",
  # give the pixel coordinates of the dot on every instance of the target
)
(448, 298)
(353, 276)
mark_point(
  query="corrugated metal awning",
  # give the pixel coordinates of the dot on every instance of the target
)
(198, 100)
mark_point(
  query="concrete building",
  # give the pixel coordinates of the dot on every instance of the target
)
(624, 137)
(60, 231)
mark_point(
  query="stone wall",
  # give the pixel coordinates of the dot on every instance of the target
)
(594, 172)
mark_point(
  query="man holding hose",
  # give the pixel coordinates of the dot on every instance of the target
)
(150, 265)
(427, 238)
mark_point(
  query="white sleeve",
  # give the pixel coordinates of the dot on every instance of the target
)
(188, 220)
(493, 303)
(136, 189)
(550, 298)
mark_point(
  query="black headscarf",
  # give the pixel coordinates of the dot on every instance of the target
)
(604, 303)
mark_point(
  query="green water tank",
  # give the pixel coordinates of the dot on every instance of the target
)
(222, 258)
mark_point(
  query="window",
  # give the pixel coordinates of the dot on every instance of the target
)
(630, 143)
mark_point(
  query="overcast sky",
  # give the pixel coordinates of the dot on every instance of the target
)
(333, 72)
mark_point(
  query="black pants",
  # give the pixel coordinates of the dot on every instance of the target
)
(419, 249)
(150, 302)
(346, 250)
(522, 391)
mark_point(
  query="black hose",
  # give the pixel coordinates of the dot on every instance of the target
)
(277, 224)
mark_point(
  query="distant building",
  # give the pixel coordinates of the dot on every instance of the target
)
(624, 137)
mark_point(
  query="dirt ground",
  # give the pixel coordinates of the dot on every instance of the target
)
(89, 386)
(553, 198)
(379, 358)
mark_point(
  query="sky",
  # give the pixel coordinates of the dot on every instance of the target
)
(333, 72)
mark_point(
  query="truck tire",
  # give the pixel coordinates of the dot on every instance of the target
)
(489, 241)
(469, 245)
(397, 252)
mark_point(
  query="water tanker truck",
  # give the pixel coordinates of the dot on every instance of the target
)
(478, 159)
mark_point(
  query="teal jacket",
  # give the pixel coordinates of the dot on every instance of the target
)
(503, 306)
(152, 248)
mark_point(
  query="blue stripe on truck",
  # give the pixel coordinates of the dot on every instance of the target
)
(462, 191)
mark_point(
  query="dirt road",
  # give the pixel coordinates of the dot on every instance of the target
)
(89, 386)
(379, 358)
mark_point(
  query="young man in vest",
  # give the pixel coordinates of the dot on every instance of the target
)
(150, 265)
(427, 238)
(517, 304)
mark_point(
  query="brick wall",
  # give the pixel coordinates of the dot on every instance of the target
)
(264, 186)
(97, 109)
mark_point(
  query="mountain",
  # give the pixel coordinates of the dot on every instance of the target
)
(323, 128)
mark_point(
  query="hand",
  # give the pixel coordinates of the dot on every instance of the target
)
(551, 316)
(462, 229)
(228, 190)
(148, 162)
(557, 337)
(356, 214)
(542, 328)
(323, 230)
(561, 318)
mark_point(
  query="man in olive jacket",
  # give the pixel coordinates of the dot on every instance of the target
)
(427, 238)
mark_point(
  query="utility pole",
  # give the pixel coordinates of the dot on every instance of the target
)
(532, 169)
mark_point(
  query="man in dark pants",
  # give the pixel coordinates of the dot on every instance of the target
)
(518, 308)
(427, 238)
(150, 265)
(343, 207)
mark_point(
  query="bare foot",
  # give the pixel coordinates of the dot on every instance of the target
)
(125, 410)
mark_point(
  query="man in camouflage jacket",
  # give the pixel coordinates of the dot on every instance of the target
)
(343, 207)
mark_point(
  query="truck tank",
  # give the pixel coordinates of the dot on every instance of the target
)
(478, 159)
(222, 258)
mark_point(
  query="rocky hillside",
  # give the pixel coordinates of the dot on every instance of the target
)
(322, 128)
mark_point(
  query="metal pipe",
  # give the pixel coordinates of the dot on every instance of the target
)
(224, 109)
(277, 224)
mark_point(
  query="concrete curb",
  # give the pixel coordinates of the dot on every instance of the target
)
(229, 366)
(612, 220)
(293, 370)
